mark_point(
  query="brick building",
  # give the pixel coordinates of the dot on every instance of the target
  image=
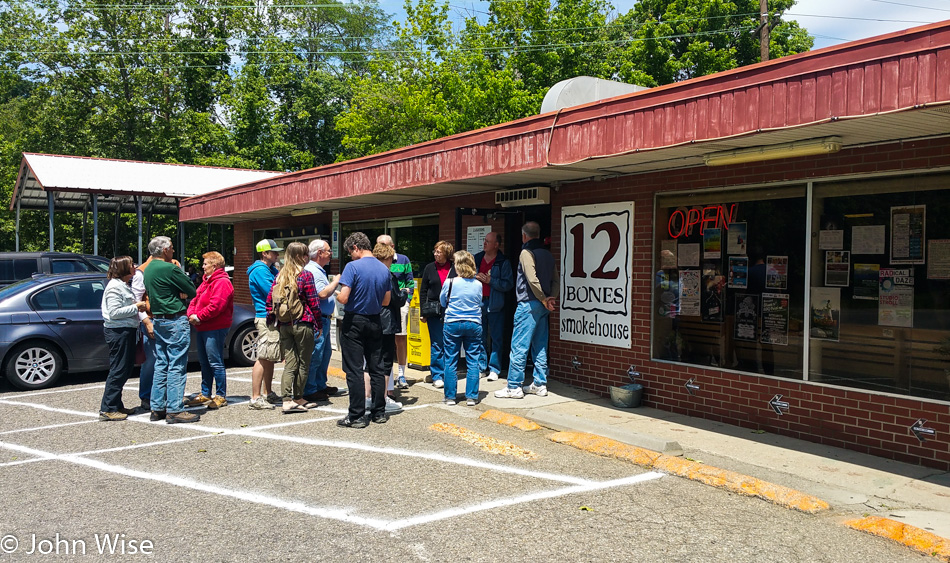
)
(773, 230)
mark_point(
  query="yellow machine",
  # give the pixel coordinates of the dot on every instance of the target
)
(418, 334)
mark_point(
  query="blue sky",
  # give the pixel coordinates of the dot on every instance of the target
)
(830, 21)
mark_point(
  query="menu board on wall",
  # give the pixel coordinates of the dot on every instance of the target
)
(689, 293)
(775, 319)
(837, 268)
(747, 316)
(895, 306)
(908, 229)
(776, 272)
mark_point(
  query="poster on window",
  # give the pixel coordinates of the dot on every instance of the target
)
(713, 293)
(668, 254)
(837, 268)
(938, 259)
(688, 255)
(738, 238)
(776, 272)
(867, 279)
(907, 234)
(747, 316)
(597, 274)
(738, 272)
(895, 305)
(712, 244)
(689, 293)
(867, 239)
(775, 319)
(830, 240)
(475, 238)
(825, 313)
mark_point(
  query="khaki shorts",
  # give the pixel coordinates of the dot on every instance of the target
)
(268, 342)
(404, 314)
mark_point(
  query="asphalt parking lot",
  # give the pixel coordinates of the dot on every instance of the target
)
(260, 485)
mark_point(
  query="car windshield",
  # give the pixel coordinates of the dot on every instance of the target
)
(17, 287)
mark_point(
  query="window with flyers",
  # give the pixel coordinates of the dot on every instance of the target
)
(730, 279)
(880, 285)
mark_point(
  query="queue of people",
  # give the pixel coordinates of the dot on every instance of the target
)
(461, 299)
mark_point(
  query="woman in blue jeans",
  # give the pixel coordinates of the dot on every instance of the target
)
(210, 312)
(462, 299)
(433, 278)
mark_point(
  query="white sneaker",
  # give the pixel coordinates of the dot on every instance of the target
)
(448, 402)
(438, 383)
(471, 402)
(260, 404)
(509, 393)
(392, 406)
(492, 377)
(369, 403)
(540, 391)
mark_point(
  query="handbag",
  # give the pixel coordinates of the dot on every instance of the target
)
(433, 308)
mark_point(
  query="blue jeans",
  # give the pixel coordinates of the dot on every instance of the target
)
(147, 370)
(493, 334)
(320, 361)
(531, 331)
(172, 339)
(210, 356)
(457, 335)
(437, 349)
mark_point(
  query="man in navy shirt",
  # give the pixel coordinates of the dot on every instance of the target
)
(365, 291)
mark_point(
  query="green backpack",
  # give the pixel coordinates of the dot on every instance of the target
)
(288, 308)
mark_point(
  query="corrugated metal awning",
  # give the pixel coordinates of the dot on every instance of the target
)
(73, 179)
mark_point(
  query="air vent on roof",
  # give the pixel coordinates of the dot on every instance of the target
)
(535, 195)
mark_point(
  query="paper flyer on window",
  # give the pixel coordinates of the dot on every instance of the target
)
(825, 313)
(938, 259)
(908, 229)
(867, 280)
(775, 319)
(837, 268)
(776, 272)
(895, 306)
(738, 272)
(867, 239)
(738, 238)
(688, 255)
(689, 293)
(747, 316)
(712, 244)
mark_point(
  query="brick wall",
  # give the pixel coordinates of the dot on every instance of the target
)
(872, 423)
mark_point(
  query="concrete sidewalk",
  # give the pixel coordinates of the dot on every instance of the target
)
(853, 483)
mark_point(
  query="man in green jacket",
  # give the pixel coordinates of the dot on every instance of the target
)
(167, 288)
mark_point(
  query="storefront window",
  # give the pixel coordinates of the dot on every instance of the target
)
(880, 286)
(730, 279)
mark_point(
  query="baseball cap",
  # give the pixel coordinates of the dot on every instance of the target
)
(268, 244)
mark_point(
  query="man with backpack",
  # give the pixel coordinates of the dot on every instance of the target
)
(365, 283)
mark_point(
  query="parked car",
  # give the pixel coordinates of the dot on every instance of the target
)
(15, 266)
(100, 262)
(51, 323)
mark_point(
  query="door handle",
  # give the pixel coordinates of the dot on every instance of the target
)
(60, 321)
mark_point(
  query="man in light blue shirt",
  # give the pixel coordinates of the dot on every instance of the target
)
(317, 389)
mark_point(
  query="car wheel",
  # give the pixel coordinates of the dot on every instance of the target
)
(33, 365)
(244, 346)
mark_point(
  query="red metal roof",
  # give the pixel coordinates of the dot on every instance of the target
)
(903, 71)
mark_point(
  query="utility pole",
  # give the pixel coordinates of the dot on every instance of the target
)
(764, 30)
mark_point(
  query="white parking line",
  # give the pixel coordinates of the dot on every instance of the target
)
(326, 512)
(46, 427)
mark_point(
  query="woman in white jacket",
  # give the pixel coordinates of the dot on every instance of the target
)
(121, 315)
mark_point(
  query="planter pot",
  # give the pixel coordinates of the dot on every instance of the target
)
(627, 396)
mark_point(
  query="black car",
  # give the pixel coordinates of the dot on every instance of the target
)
(16, 266)
(52, 323)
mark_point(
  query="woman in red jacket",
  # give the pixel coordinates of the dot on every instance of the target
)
(210, 313)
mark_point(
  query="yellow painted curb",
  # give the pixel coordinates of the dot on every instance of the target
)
(487, 443)
(518, 422)
(695, 471)
(910, 536)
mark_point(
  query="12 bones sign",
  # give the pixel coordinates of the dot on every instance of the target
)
(596, 276)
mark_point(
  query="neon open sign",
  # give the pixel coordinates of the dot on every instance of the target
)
(682, 221)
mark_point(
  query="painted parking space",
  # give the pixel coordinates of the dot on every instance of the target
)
(227, 451)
